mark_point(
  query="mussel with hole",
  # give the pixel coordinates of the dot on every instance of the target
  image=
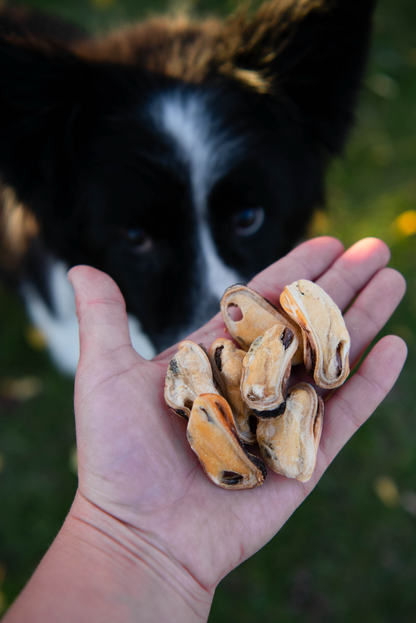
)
(255, 317)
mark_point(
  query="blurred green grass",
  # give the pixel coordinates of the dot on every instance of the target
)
(348, 554)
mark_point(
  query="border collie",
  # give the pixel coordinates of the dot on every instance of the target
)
(177, 156)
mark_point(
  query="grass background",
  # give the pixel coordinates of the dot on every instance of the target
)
(349, 553)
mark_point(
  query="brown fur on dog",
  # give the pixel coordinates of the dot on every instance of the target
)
(18, 227)
(243, 47)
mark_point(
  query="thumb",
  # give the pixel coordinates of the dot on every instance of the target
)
(101, 311)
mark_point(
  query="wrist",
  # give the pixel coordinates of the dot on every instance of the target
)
(138, 567)
(100, 569)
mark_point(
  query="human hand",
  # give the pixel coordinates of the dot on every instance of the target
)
(136, 469)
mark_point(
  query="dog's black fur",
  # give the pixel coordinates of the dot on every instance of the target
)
(90, 145)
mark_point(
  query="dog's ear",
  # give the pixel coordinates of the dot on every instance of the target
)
(310, 54)
(43, 89)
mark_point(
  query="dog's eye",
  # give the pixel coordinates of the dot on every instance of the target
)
(138, 238)
(248, 221)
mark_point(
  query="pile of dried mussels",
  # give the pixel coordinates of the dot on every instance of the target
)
(223, 392)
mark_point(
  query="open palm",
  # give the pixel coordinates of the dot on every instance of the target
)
(135, 465)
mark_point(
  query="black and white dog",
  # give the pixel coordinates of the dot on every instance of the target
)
(177, 156)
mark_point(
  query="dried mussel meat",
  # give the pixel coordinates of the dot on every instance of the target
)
(189, 374)
(258, 315)
(221, 393)
(326, 342)
(227, 364)
(289, 443)
(213, 437)
(266, 371)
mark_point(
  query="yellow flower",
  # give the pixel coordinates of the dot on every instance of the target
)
(405, 223)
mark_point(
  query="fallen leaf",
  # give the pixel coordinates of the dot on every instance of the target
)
(386, 489)
(73, 459)
(35, 338)
(21, 389)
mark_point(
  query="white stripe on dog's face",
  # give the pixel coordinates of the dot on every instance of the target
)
(200, 141)
(219, 275)
(207, 152)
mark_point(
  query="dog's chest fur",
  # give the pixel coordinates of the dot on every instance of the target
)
(178, 157)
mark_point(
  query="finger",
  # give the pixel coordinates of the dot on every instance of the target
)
(101, 311)
(351, 405)
(341, 275)
(352, 270)
(309, 260)
(372, 309)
